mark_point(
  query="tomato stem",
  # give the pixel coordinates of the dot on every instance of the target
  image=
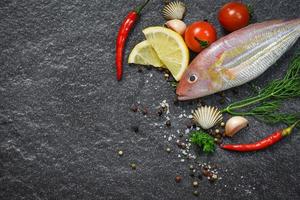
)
(202, 43)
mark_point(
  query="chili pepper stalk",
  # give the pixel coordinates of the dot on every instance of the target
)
(127, 24)
(262, 144)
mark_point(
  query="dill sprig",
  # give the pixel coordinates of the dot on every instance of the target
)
(266, 104)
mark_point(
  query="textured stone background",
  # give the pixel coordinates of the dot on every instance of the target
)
(63, 115)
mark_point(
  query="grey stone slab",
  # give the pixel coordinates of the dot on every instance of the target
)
(63, 115)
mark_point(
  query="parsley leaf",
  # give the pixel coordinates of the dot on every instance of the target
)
(203, 140)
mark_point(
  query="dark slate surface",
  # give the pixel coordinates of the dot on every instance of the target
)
(64, 116)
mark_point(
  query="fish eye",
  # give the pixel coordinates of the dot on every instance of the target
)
(193, 78)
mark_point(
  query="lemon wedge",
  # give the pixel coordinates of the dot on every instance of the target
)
(144, 54)
(170, 48)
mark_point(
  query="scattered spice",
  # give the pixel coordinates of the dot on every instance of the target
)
(200, 176)
(133, 166)
(205, 173)
(134, 108)
(120, 153)
(135, 129)
(195, 183)
(168, 123)
(168, 150)
(160, 112)
(189, 125)
(192, 174)
(176, 102)
(219, 141)
(167, 76)
(145, 111)
(178, 178)
(140, 70)
(196, 193)
(214, 177)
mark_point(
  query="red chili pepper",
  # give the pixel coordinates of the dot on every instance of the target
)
(124, 30)
(262, 144)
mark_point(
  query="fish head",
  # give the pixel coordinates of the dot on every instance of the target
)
(198, 82)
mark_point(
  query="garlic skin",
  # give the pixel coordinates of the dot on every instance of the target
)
(234, 125)
(176, 25)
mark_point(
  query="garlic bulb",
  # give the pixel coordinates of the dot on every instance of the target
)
(174, 10)
(207, 116)
(176, 25)
(234, 125)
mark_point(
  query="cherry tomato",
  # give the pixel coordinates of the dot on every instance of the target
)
(233, 16)
(199, 35)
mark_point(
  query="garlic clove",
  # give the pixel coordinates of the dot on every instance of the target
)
(234, 125)
(176, 25)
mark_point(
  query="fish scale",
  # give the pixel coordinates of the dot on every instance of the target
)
(254, 69)
(238, 58)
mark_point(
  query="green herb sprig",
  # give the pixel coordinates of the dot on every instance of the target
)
(267, 103)
(203, 140)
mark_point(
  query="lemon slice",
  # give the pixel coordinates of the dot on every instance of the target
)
(170, 48)
(144, 54)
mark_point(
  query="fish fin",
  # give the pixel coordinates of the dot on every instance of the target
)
(220, 59)
(229, 74)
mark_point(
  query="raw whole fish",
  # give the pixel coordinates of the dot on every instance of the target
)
(237, 58)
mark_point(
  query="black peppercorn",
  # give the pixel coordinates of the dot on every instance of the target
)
(135, 129)
(199, 176)
(168, 123)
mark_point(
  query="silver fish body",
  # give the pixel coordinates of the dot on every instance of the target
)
(238, 58)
